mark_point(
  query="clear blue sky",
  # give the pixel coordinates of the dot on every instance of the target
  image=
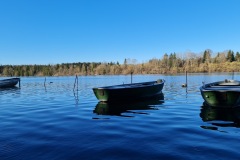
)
(61, 31)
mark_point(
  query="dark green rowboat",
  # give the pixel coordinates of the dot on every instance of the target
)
(129, 92)
(221, 94)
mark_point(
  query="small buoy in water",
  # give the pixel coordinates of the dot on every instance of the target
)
(184, 85)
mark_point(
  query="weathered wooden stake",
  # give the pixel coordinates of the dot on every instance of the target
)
(131, 76)
(186, 78)
(45, 82)
(19, 83)
(185, 84)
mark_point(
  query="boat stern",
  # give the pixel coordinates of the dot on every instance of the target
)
(101, 94)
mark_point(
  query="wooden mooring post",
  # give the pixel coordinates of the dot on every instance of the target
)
(131, 76)
(19, 83)
(185, 84)
(45, 82)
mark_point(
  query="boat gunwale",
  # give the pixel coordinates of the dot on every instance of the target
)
(131, 85)
(221, 86)
(9, 79)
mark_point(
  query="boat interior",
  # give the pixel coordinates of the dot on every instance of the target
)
(133, 85)
(223, 85)
(229, 83)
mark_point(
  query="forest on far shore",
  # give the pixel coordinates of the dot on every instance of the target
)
(172, 63)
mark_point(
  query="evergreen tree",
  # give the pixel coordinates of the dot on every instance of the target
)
(230, 56)
(206, 56)
(125, 61)
(237, 57)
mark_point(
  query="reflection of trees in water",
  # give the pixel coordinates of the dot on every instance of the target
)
(220, 117)
(136, 107)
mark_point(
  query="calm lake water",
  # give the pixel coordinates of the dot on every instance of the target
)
(57, 122)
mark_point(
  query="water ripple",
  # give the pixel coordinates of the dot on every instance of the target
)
(58, 121)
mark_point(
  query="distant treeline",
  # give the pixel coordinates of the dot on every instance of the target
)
(227, 61)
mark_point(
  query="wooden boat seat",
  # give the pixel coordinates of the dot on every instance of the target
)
(225, 88)
(225, 85)
(230, 84)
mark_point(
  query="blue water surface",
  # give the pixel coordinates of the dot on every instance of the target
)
(51, 119)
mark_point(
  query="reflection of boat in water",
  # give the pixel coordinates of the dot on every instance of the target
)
(9, 89)
(117, 108)
(222, 117)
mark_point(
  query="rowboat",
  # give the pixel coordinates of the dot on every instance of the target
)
(222, 93)
(11, 82)
(129, 92)
(128, 109)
